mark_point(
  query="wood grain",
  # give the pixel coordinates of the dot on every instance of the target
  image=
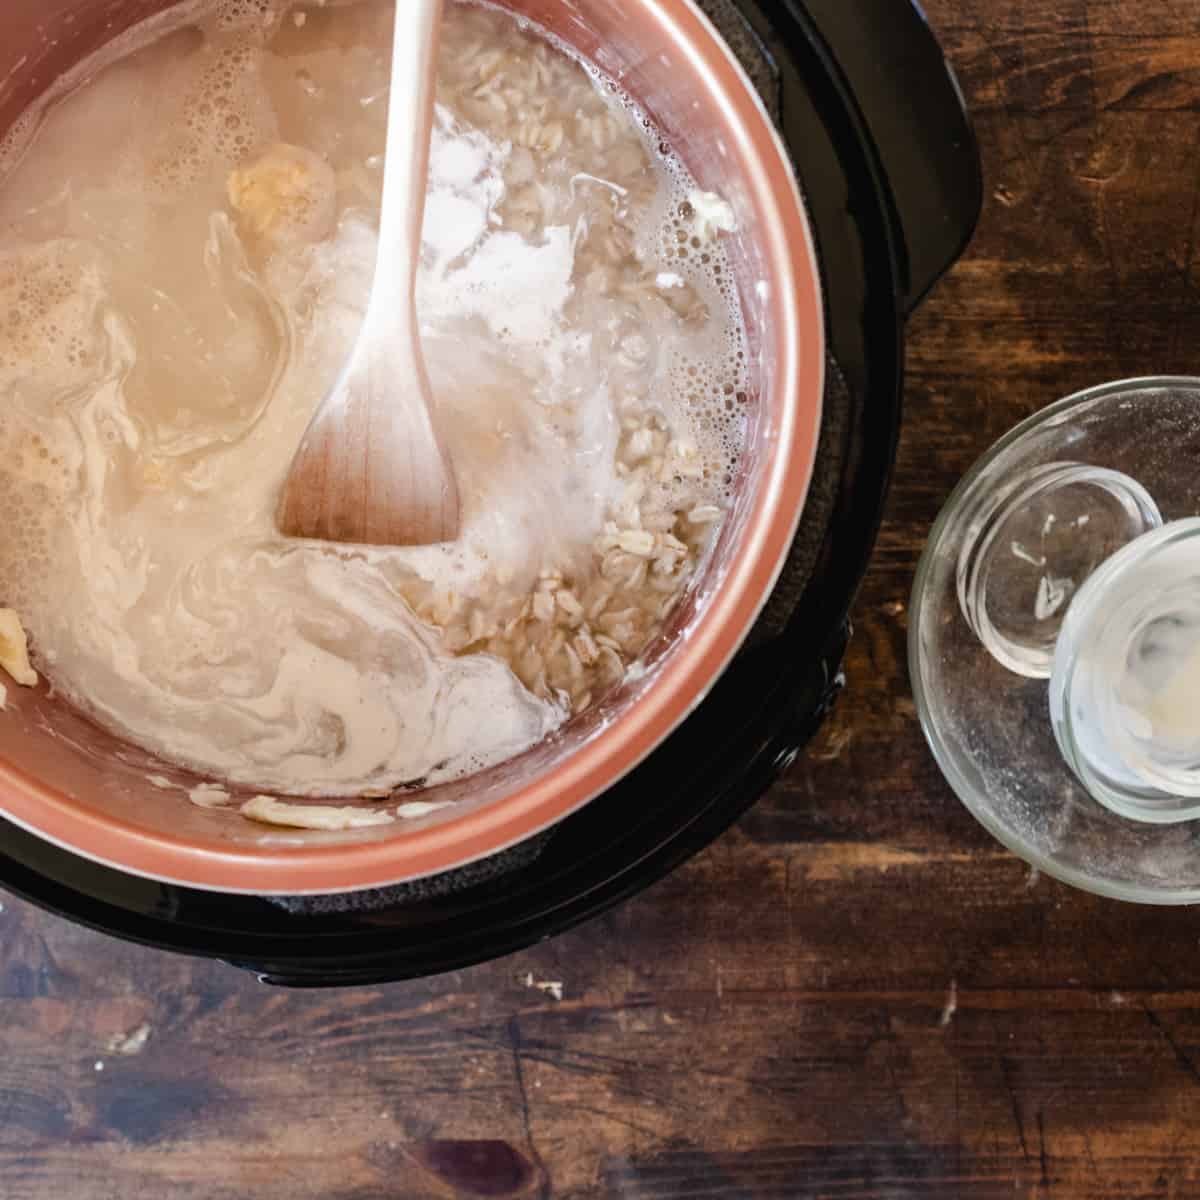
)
(856, 994)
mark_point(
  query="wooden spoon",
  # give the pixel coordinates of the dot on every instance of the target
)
(371, 468)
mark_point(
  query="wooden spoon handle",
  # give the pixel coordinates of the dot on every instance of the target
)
(406, 166)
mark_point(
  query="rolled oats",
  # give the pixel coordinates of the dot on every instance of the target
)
(579, 625)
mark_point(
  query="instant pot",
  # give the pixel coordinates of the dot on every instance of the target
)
(889, 171)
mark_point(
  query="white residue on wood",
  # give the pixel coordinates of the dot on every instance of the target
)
(951, 1005)
(130, 1043)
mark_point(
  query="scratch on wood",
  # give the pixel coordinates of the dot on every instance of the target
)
(1005, 1075)
(617, 1119)
(1180, 1056)
(514, 1038)
(1041, 1124)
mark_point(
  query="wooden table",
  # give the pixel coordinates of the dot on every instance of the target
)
(854, 994)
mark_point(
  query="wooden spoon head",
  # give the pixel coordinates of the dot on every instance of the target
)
(371, 469)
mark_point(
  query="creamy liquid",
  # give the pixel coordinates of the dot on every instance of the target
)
(162, 350)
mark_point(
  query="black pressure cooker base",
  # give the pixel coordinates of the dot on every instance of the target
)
(884, 232)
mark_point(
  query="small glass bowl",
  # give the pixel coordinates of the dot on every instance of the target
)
(1129, 736)
(981, 684)
(1031, 542)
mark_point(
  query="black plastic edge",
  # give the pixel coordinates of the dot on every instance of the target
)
(916, 117)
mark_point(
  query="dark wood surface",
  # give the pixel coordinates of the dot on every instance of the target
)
(856, 993)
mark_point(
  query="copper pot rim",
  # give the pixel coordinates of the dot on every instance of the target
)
(682, 682)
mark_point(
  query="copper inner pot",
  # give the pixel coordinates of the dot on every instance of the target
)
(79, 786)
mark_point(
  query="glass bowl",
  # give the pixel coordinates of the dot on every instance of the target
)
(1005, 559)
